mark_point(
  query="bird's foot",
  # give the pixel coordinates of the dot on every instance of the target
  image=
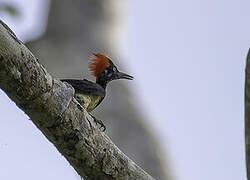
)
(98, 121)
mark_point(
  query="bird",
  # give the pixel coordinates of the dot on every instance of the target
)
(90, 94)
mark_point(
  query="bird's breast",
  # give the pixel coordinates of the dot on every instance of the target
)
(89, 102)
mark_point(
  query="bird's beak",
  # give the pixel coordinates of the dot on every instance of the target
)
(120, 75)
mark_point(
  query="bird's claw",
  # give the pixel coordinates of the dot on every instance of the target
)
(98, 121)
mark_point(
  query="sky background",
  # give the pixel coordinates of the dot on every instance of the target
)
(188, 58)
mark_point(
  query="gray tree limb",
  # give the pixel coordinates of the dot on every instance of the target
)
(50, 105)
(247, 114)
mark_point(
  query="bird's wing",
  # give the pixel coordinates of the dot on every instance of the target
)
(86, 87)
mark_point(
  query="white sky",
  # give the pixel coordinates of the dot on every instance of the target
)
(188, 58)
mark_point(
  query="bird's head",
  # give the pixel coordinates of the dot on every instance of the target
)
(104, 70)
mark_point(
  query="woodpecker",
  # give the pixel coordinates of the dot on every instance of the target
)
(90, 94)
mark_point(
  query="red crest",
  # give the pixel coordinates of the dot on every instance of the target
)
(98, 64)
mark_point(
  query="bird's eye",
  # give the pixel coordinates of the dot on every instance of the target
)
(114, 69)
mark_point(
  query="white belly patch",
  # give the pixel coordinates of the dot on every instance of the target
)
(89, 102)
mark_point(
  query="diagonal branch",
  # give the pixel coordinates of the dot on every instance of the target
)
(51, 106)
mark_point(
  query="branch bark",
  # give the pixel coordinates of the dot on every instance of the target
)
(51, 106)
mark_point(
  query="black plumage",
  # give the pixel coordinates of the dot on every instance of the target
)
(86, 87)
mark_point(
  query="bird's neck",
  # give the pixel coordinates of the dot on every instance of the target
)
(102, 82)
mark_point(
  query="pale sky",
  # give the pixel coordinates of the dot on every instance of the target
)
(188, 58)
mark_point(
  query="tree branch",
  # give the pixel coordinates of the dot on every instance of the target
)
(247, 114)
(51, 106)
